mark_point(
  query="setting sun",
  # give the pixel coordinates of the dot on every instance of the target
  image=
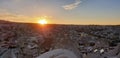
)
(42, 21)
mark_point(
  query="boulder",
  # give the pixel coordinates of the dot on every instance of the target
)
(58, 53)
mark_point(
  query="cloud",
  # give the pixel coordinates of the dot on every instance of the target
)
(6, 15)
(17, 0)
(72, 6)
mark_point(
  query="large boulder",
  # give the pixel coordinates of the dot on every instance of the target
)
(58, 53)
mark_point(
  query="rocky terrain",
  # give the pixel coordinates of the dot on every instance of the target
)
(28, 40)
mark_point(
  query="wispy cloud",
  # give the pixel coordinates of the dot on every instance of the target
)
(17, 0)
(6, 15)
(72, 6)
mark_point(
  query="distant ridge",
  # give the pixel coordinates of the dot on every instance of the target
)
(4, 21)
(9, 22)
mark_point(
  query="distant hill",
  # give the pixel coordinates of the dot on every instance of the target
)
(4, 21)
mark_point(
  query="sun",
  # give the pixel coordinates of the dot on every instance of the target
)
(42, 21)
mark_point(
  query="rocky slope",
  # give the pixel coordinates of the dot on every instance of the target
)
(27, 40)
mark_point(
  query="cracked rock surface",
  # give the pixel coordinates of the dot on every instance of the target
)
(27, 40)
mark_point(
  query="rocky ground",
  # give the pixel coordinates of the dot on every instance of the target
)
(27, 40)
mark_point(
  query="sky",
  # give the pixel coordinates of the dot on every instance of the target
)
(102, 12)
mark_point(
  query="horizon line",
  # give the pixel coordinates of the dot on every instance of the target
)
(55, 23)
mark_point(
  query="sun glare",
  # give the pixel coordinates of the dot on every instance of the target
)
(42, 21)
